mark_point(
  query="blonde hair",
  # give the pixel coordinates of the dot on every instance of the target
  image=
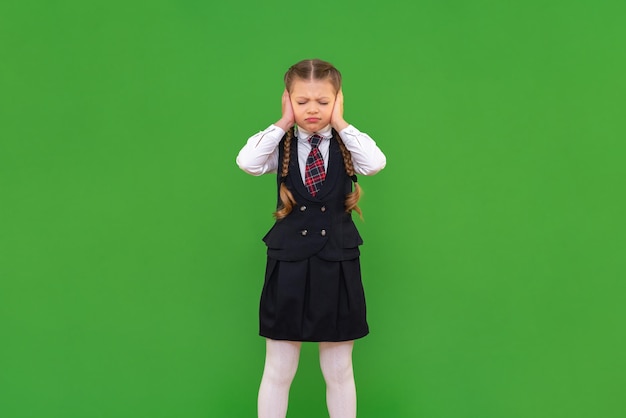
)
(314, 69)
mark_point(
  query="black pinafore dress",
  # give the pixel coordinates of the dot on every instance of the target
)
(313, 289)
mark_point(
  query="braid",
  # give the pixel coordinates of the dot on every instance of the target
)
(286, 154)
(351, 198)
(287, 200)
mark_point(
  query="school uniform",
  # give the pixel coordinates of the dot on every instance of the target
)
(312, 289)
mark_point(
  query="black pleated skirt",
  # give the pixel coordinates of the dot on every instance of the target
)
(313, 300)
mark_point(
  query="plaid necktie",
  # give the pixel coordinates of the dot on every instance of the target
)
(314, 173)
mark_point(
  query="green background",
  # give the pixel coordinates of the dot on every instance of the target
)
(130, 253)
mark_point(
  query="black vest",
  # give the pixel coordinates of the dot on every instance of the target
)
(316, 225)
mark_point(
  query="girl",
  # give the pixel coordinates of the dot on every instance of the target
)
(312, 289)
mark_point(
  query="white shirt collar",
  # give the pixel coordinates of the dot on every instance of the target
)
(325, 132)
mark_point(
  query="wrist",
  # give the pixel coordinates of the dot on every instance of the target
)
(340, 125)
(285, 125)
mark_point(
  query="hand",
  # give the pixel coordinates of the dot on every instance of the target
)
(288, 118)
(336, 118)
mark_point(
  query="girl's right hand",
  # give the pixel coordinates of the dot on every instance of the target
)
(288, 118)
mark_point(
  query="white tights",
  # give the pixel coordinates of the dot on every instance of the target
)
(281, 363)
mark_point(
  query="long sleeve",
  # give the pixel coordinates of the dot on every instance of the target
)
(367, 158)
(260, 154)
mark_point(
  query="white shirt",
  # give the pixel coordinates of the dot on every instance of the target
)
(260, 154)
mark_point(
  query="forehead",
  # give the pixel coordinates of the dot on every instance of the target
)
(312, 88)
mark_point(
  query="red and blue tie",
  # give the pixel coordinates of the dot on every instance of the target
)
(314, 173)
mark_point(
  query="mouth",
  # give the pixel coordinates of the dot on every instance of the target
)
(312, 120)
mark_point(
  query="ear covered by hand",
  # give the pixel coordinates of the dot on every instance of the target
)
(336, 119)
(288, 119)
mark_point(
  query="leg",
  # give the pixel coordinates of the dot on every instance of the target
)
(281, 363)
(336, 362)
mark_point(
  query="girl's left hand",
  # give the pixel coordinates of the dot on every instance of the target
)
(336, 118)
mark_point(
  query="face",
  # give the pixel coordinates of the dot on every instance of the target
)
(312, 102)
